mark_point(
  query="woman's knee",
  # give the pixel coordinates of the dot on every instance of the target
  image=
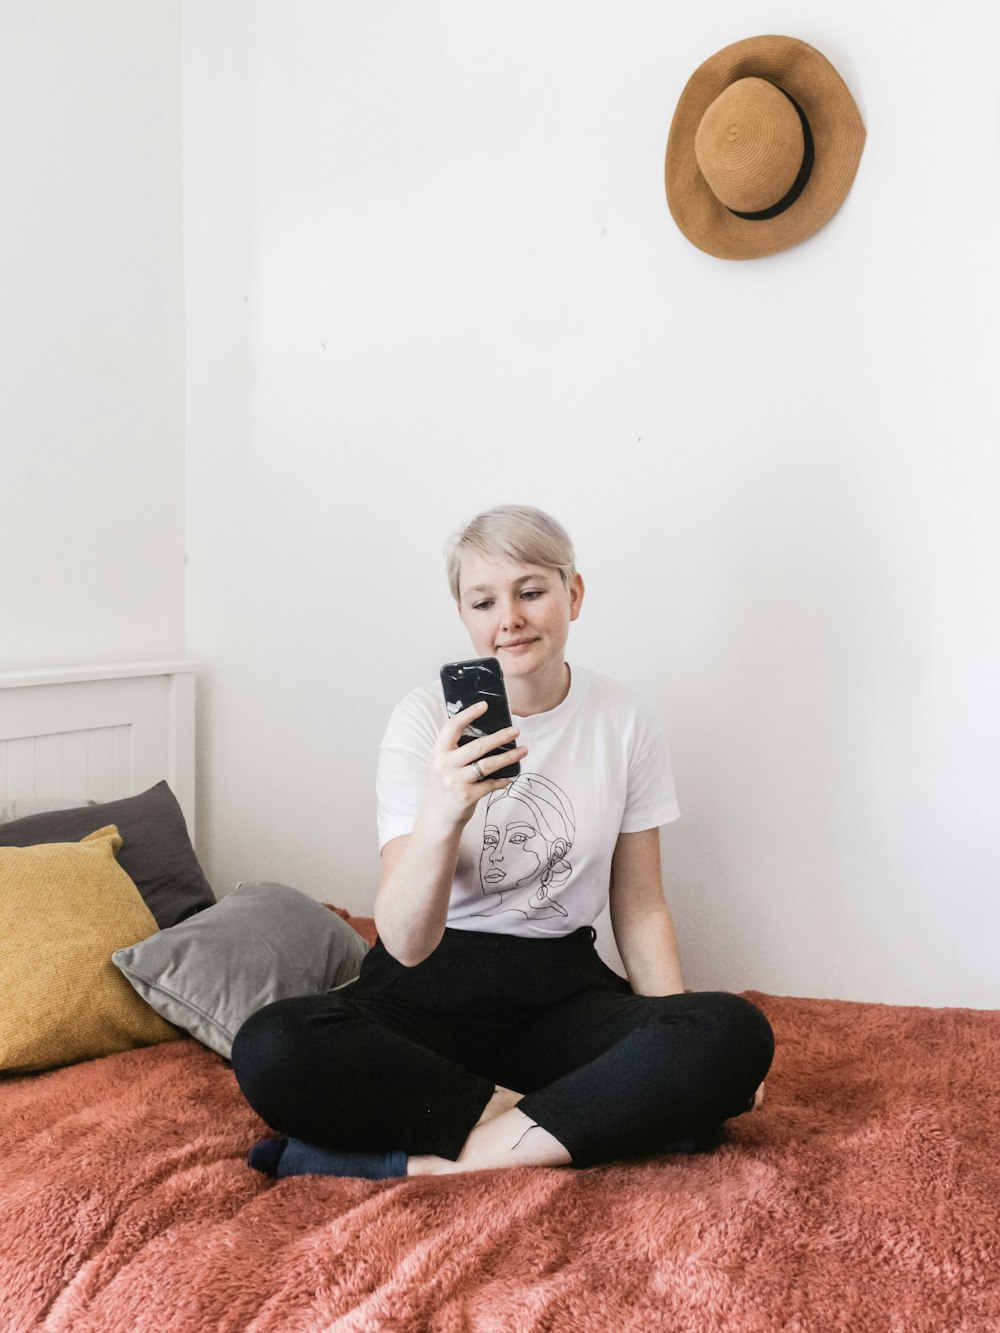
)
(260, 1047)
(741, 1043)
(272, 1054)
(740, 1028)
(726, 1047)
(743, 1023)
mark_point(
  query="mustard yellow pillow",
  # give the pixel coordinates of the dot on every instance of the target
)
(65, 907)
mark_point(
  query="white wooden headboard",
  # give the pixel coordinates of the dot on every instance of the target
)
(98, 733)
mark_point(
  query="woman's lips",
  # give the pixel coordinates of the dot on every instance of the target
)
(494, 876)
(515, 644)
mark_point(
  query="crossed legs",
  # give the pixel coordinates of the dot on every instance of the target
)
(608, 1075)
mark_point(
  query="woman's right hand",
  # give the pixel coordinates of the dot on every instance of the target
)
(418, 868)
(454, 788)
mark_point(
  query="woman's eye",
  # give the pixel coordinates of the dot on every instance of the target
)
(489, 841)
(518, 837)
(532, 593)
(481, 606)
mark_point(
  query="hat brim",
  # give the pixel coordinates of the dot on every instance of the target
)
(838, 136)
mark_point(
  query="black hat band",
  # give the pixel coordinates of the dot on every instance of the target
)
(800, 181)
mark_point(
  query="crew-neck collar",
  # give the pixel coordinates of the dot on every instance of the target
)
(577, 677)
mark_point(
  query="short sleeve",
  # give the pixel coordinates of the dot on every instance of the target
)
(401, 776)
(651, 799)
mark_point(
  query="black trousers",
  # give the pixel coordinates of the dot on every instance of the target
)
(407, 1058)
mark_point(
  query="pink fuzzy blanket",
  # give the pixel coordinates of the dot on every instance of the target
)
(863, 1196)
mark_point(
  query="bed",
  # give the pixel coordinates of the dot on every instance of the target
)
(862, 1196)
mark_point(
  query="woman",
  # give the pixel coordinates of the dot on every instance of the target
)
(484, 1030)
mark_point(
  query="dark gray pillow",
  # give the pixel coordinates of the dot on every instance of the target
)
(263, 942)
(156, 852)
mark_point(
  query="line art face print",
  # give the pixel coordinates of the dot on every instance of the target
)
(529, 834)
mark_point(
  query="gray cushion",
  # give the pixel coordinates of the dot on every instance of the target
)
(156, 852)
(263, 942)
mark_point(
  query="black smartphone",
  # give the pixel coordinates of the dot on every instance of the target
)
(464, 684)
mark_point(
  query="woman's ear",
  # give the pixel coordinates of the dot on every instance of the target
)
(576, 591)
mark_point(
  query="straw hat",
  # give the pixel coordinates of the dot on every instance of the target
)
(763, 148)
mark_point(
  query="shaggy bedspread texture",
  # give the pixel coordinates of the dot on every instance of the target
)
(863, 1196)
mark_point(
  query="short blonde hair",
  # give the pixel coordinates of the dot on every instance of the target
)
(518, 533)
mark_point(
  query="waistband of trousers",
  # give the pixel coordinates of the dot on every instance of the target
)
(580, 939)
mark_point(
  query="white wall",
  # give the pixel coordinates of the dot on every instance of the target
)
(91, 332)
(429, 268)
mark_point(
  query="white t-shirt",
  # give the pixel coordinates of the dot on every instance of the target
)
(535, 859)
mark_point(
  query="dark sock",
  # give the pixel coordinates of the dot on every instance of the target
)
(293, 1157)
(266, 1155)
